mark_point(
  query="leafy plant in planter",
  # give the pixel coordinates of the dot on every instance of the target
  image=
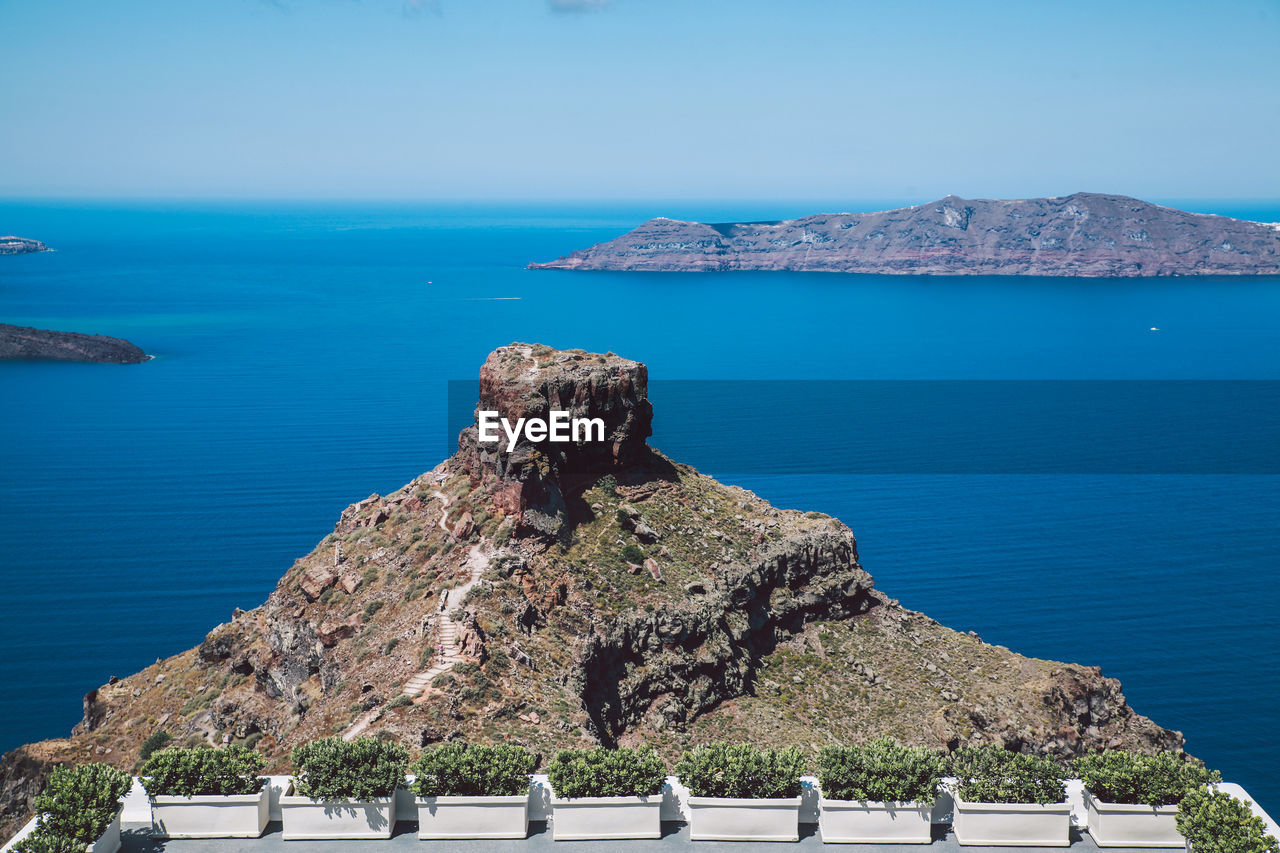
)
(1116, 776)
(1216, 822)
(202, 772)
(470, 770)
(605, 772)
(741, 771)
(880, 771)
(992, 774)
(363, 769)
(75, 808)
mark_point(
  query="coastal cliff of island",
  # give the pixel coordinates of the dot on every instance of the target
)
(1085, 234)
(20, 246)
(560, 595)
(26, 343)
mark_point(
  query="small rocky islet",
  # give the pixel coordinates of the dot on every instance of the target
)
(562, 595)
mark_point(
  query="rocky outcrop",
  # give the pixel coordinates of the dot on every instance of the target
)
(1085, 234)
(531, 480)
(20, 246)
(585, 593)
(23, 342)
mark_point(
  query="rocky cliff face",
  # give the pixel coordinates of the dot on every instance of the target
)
(1085, 234)
(20, 246)
(579, 594)
(23, 342)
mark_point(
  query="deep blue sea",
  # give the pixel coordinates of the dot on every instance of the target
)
(302, 355)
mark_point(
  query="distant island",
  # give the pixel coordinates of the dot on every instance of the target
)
(1085, 234)
(24, 342)
(20, 246)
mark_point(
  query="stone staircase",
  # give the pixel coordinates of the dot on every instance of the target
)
(447, 635)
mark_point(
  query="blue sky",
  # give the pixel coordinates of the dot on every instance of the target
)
(638, 98)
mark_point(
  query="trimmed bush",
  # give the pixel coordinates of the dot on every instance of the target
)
(1215, 822)
(1116, 776)
(75, 808)
(741, 771)
(202, 772)
(992, 774)
(469, 770)
(881, 771)
(360, 770)
(605, 772)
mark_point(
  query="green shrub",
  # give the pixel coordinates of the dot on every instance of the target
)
(362, 769)
(1216, 822)
(1116, 776)
(881, 771)
(468, 770)
(75, 808)
(605, 772)
(158, 740)
(371, 608)
(401, 701)
(741, 770)
(992, 774)
(202, 772)
(632, 554)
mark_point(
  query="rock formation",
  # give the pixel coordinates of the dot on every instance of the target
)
(26, 343)
(605, 594)
(1085, 234)
(20, 246)
(23, 342)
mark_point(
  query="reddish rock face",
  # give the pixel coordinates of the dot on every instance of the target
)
(317, 580)
(531, 480)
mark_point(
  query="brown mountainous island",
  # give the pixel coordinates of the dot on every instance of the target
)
(26, 343)
(1085, 234)
(582, 594)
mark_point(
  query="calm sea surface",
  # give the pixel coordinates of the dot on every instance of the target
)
(302, 360)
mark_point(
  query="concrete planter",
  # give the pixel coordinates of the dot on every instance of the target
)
(305, 818)
(235, 816)
(473, 817)
(727, 819)
(109, 840)
(1012, 824)
(859, 822)
(605, 818)
(1124, 825)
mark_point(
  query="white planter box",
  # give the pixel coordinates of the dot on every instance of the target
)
(1123, 825)
(109, 841)
(473, 817)
(605, 818)
(305, 818)
(1012, 824)
(235, 816)
(858, 822)
(726, 819)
